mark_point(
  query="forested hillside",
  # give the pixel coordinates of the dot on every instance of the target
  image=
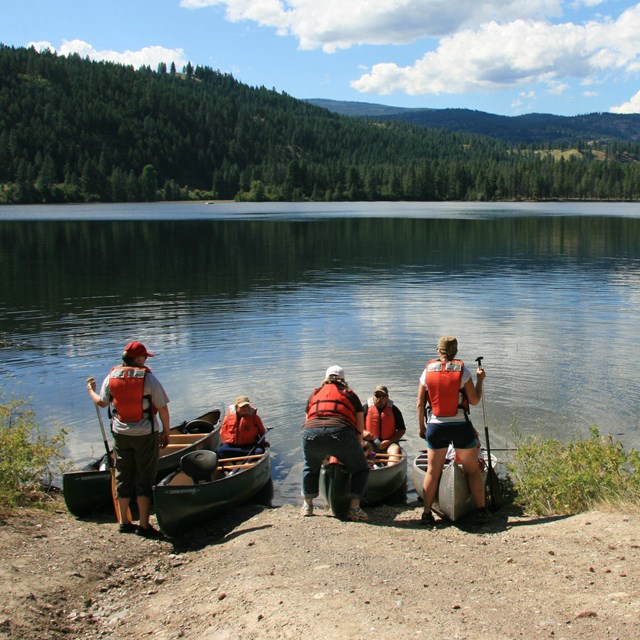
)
(72, 130)
(541, 129)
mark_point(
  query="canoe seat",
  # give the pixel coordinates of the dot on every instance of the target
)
(198, 426)
(199, 465)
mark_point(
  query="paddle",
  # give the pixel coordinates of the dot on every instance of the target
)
(112, 468)
(248, 460)
(490, 470)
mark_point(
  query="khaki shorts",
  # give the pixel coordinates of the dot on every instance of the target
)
(136, 464)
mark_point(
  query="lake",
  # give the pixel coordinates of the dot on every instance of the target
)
(258, 299)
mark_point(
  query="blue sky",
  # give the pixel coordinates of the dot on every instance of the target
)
(502, 56)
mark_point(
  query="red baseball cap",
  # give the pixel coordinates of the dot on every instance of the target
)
(136, 349)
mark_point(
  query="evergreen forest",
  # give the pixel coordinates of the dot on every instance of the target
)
(73, 130)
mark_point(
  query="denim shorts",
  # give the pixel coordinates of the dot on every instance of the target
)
(461, 435)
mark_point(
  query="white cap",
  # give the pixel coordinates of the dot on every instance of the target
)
(336, 371)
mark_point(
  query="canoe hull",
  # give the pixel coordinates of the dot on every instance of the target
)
(454, 500)
(383, 483)
(180, 507)
(89, 489)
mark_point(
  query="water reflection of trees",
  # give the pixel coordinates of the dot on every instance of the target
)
(48, 264)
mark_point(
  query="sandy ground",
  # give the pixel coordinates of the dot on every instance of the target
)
(269, 573)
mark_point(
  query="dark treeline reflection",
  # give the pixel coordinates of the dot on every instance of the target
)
(49, 265)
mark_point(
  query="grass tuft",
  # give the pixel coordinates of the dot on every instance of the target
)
(552, 477)
(28, 455)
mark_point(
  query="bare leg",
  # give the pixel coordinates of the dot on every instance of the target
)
(395, 454)
(469, 460)
(435, 462)
(144, 507)
(123, 503)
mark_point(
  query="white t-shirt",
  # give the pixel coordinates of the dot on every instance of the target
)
(459, 417)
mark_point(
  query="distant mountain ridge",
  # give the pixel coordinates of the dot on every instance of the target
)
(532, 128)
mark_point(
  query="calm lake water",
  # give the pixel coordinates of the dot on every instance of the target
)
(259, 299)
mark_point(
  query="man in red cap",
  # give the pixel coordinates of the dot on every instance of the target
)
(135, 396)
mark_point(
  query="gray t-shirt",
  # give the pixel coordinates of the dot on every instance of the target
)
(159, 399)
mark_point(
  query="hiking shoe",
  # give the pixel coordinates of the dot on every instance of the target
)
(127, 527)
(307, 510)
(483, 515)
(427, 519)
(148, 532)
(356, 515)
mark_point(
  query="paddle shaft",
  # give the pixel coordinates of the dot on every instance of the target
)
(488, 444)
(112, 468)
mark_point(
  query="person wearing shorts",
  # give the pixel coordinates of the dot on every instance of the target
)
(446, 405)
(135, 397)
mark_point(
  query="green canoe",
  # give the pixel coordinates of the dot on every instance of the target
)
(386, 482)
(181, 503)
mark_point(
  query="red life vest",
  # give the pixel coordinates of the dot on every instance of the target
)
(381, 424)
(331, 400)
(241, 430)
(443, 387)
(126, 386)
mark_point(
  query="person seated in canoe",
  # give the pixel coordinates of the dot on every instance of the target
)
(445, 392)
(242, 432)
(383, 427)
(333, 427)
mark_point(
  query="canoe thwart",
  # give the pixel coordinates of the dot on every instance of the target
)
(254, 456)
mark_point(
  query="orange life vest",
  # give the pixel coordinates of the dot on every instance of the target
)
(443, 387)
(331, 400)
(126, 386)
(381, 424)
(241, 430)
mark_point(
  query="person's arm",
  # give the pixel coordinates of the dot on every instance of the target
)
(262, 432)
(91, 388)
(474, 392)
(165, 419)
(360, 425)
(400, 427)
(421, 405)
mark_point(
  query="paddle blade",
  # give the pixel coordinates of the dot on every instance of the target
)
(492, 489)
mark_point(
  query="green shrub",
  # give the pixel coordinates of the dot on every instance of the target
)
(27, 455)
(554, 477)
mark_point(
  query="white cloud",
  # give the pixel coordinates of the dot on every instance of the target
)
(340, 24)
(148, 56)
(631, 106)
(498, 56)
(586, 3)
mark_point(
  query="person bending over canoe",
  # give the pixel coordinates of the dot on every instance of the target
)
(446, 388)
(383, 426)
(242, 431)
(334, 426)
(135, 396)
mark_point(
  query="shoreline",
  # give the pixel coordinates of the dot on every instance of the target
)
(269, 573)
